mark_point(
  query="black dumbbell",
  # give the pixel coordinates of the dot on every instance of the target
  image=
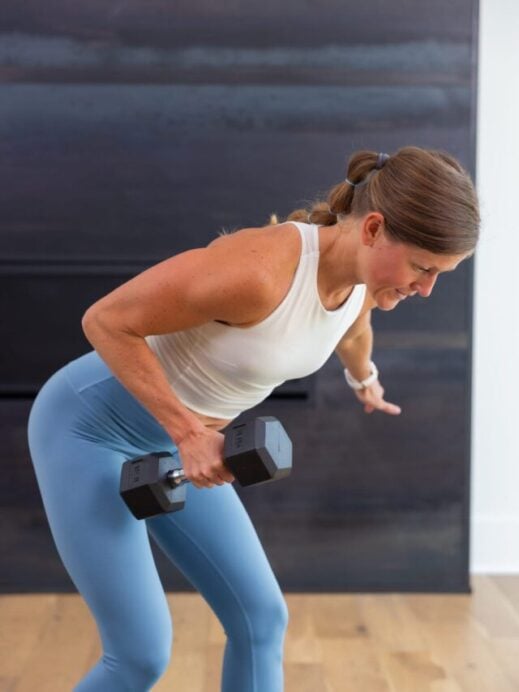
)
(255, 452)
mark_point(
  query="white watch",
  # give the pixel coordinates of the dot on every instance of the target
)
(362, 384)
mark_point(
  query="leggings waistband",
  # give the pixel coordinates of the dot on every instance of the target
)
(107, 411)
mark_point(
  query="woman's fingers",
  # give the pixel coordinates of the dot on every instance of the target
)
(380, 404)
(208, 478)
(392, 409)
(385, 407)
(202, 459)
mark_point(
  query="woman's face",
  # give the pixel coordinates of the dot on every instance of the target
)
(394, 270)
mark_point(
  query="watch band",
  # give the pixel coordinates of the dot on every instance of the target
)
(362, 384)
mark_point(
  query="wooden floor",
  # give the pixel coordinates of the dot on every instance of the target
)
(335, 643)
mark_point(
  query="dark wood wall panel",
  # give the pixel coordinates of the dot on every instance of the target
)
(130, 132)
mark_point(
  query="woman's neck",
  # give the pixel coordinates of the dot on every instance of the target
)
(338, 258)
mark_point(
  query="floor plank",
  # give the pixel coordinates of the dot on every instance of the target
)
(335, 642)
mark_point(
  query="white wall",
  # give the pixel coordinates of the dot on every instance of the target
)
(495, 412)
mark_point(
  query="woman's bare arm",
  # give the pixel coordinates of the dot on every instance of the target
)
(355, 348)
(228, 281)
(354, 351)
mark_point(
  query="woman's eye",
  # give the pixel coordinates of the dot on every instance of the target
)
(422, 269)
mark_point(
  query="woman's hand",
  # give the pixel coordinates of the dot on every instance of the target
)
(373, 399)
(201, 454)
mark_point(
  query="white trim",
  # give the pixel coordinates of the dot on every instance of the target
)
(495, 544)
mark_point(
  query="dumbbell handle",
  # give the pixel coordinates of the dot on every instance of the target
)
(255, 452)
(176, 477)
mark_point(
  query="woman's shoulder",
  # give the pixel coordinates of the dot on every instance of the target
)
(275, 233)
(277, 246)
(271, 252)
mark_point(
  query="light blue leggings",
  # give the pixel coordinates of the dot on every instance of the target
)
(82, 426)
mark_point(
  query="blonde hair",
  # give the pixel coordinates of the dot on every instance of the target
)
(426, 197)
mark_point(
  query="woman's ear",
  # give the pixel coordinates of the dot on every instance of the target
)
(372, 228)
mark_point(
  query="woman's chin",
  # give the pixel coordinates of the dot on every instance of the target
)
(387, 303)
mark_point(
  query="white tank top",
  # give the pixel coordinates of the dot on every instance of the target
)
(221, 371)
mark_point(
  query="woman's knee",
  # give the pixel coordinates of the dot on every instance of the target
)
(273, 617)
(267, 618)
(146, 666)
(153, 665)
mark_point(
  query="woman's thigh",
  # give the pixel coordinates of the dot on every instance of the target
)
(104, 549)
(214, 543)
(82, 427)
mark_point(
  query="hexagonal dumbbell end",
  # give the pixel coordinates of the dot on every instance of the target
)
(145, 486)
(258, 451)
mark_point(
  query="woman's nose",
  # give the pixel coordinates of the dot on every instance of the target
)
(425, 285)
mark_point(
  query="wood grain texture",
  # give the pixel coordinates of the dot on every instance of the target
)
(132, 131)
(335, 642)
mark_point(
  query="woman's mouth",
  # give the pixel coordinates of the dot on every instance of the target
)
(401, 296)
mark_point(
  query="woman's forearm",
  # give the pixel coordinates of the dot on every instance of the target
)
(138, 369)
(355, 354)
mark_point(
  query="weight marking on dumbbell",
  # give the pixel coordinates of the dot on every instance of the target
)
(238, 435)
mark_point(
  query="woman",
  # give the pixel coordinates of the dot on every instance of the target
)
(186, 346)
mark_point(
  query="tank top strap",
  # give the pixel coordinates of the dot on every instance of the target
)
(310, 237)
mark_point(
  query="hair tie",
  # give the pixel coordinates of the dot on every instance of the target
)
(381, 162)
